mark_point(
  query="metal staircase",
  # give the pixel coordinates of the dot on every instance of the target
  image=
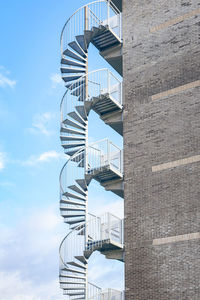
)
(98, 23)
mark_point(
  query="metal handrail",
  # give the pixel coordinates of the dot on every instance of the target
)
(113, 6)
(70, 159)
(75, 82)
(81, 226)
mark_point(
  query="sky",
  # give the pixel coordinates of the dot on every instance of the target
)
(31, 157)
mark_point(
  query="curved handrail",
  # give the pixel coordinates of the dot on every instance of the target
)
(112, 227)
(82, 7)
(60, 247)
(87, 75)
(70, 159)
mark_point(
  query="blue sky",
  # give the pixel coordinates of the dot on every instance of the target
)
(31, 156)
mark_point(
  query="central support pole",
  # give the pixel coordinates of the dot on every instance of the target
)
(86, 27)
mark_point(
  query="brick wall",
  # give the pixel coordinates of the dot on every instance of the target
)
(162, 146)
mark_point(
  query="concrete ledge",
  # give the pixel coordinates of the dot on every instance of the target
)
(178, 238)
(176, 90)
(176, 163)
(175, 20)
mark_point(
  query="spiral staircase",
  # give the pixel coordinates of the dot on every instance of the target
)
(98, 23)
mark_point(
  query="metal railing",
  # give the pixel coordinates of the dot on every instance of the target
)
(100, 82)
(98, 229)
(93, 14)
(70, 173)
(108, 294)
(104, 228)
(72, 245)
(104, 153)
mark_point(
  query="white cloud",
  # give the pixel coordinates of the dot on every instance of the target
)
(42, 122)
(44, 157)
(14, 286)
(29, 257)
(56, 80)
(5, 81)
(2, 161)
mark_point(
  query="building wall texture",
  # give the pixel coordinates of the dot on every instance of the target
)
(162, 149)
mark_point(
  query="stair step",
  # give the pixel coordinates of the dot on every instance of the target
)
(67, 201)
(77, 189)
(76, 47)
(103, 36)
(74, 289)
(88, 34)
(81, 110)
(73, 124)
(72, 263)
(81, 259)
(74, 145)
(74, 115)
(75, 196)
(82, 163)
(75, 293)
(72, 70)
(79, 226)
(74, 55)
(72, 282)
(71, 77)
(79, 90)
(82, 231)
(96, 30)
(80, 155)
(70, 216)
(72, 222)
(81, 40)
(88, 106)
(72, 276)
(70, 62)
(76, 84)
(74, 270)
(72, 209)
(82, 184)
(72, 138)
(70, 130)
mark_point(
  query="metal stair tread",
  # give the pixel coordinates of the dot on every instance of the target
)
(75, 115)
(75, 293)
(67, 146)
(77, 91)
(70, 130)
(81, 110)
(81, 259)
(72, 209)
(72, 222)
(72, 138)
(68, 78)
(72, 263)
(77, 189)
(75, 55)
(73, 85)
(73, 270)
(76, 47)
(72, 282)
(72, 276)
(67, 201)
(70, 216)
(74, 288)
(73, 124)
(81, 40)
(82, 184)
(75, 196)
(70, 62)
(66, 69)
